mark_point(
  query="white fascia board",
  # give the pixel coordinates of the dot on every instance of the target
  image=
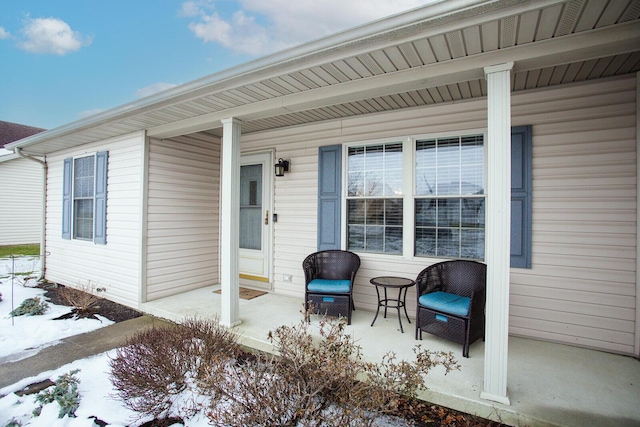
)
(613, 40)
(8, 156)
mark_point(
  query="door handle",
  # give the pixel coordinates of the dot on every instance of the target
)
(266, 218)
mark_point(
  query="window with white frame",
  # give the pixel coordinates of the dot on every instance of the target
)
(374, 198)
(448, 197)
(83, 189)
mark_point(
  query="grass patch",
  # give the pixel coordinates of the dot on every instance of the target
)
(19, 250)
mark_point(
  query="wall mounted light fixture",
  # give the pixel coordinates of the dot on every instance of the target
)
(281, 167)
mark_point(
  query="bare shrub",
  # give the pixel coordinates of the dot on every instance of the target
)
(157, 365)
(312, 381)
(316, 382)
(251, 394)
(83, 298)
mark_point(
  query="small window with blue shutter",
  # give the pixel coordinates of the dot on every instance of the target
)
(84, 204)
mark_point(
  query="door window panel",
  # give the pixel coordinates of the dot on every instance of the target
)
(251, 207)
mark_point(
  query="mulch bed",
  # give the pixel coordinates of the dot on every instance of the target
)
(420, 413)
(103, 307)
(425, 414)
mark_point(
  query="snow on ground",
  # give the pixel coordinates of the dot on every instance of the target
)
(22, 336)
(95, 399)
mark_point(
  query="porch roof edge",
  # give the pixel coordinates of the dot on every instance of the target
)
(350, 39)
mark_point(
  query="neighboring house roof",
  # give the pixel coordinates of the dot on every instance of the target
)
(10, 132)
(429, 55)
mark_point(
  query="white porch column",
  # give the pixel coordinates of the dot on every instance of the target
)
(498, 231)
(229, 224)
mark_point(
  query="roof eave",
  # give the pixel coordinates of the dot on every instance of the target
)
(350, 39)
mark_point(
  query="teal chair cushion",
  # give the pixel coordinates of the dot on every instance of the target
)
(329, 286)
(446, 303)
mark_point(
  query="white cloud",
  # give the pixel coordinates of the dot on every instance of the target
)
(52, 36)
(88, 113)
(4, 34)
(241, 33)
(154, 88)
(191, 8)
(260, 27)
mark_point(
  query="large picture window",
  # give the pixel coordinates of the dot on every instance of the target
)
(374, 198)
(424, 197)
(447, 202)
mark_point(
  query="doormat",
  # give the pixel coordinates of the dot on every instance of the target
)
(246, 293)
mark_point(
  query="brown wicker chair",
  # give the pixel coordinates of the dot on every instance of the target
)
(451, 301)
(329, 277)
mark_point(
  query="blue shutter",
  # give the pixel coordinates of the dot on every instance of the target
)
(521, 194)
(329, 196)
(67, 198)
(100, 198)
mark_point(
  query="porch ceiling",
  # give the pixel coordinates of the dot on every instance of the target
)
(426, 56)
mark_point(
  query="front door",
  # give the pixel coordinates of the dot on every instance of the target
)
(255, 217)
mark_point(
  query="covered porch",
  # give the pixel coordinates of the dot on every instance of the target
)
(549, 384)
(569, 69)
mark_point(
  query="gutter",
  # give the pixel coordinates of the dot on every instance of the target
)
(43, 222)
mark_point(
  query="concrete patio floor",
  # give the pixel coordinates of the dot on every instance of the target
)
(548, 384)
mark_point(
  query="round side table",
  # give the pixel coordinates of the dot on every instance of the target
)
(392, 282)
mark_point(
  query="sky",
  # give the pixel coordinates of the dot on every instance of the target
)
(64, 60)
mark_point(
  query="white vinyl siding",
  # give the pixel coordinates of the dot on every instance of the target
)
(182, 221)
(116, 265)
(20, 201)
(581, 288)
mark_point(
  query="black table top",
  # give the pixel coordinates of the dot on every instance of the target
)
(392, 281)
